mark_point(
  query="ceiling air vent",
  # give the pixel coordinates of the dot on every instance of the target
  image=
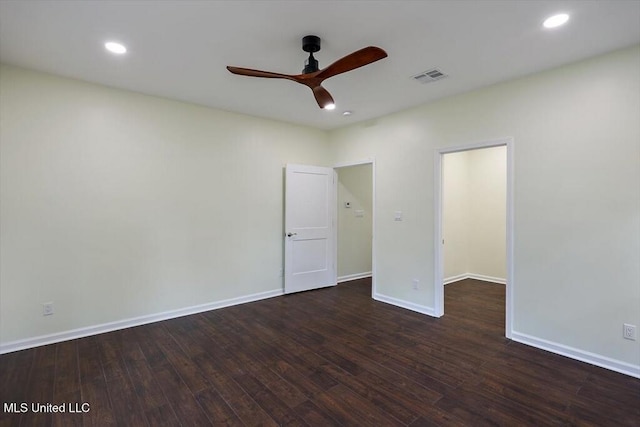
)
(430, 76)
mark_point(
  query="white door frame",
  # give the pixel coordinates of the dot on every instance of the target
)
(372, 162)
(439, 257)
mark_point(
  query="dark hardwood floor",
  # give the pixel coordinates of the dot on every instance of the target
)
(327, 357)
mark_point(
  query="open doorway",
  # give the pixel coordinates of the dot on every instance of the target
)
(474, 218)
(355, 221)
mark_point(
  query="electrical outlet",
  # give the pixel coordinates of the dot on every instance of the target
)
(415, 284)
(47, 309)
(629, 331)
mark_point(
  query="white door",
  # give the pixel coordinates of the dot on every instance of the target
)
(310, 240)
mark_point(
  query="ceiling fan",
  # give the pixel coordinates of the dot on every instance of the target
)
(312, 77)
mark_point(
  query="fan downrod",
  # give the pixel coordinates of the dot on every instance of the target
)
(310, 44)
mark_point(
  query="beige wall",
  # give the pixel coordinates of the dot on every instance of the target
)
(117, 205)
(576, 200)
(474, 213)
(355, 232)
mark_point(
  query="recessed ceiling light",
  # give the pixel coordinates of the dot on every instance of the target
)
(116, 48)
(347, 113)
(330, 107)
(556, 20)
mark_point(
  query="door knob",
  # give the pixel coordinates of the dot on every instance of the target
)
(291, 234)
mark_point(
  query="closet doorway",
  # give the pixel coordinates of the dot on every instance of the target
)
(355, 216)
(474, 218)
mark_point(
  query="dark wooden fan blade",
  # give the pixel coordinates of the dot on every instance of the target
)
(259, 73)
(323, 97)
(352, 61)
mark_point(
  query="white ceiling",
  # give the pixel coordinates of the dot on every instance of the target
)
(179, 49)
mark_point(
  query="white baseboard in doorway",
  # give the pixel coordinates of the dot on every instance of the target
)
(497, 280)
(128, 323)
(577, 354)
(355, 276)
(456, 278)
(405, 304)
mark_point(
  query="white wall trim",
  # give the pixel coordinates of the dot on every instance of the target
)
(355, 276)
(456, 278)
(438, 246)
(367, 161)
(577, 354)
(423, 309)
(491, 279)
(135, 321)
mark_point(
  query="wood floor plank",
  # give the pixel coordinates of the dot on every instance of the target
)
(101, 413)
(297, 355)
(375, 372)
(67, 370)
(377, 396)
(313, 415)
(263, 396)
(283, 389)
(110, 351)
(180, 397)
(350, 409)
(110, 346)
(147, 389)
(235, 396)
(295, 384)
(243, 375)
(522, 389)
(217, 409)
(585, 411)
(124, 401)
(395, 386)
(189, 335)
(67, 418)
(479, 410)
(162, 416)
(40, 385)
(298, 379)
(208, 322)
(184, 366)
(89, 360)
(614, 393)
(153, 354)
(521, 366)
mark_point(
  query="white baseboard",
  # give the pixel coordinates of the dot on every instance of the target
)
(574, 353)
(128, 323)
(453, 279)
(355, 276)
(405, 304)
(474, 276)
